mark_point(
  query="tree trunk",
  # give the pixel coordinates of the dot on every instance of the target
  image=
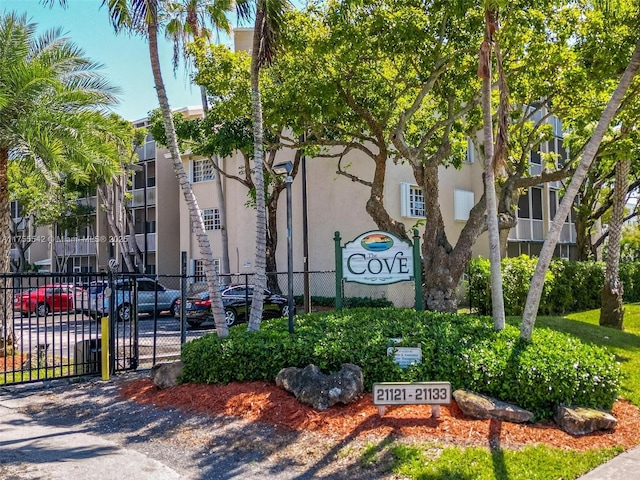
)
(195, 213)
(260, 277)
(484, 70)
(537, 282)
(222, 204)
(611, 311)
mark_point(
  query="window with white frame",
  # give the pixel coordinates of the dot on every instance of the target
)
(211, 217)
(202, 170)
(471, 152)
(463, 202)
(411, 201)
(198, 269)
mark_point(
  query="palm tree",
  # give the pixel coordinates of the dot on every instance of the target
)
(590, 152)
(141, 16)
(187, 20)
(49, 104)
(269, 15)
(491, 157)
(611, 310)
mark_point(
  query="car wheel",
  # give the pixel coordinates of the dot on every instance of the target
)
(173, 309)
(123, 313)
(284, 311)
(230, 316)
(194, 323)
(42, 309)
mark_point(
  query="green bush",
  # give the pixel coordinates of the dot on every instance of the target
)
(569, 286)
(464, 350)
(348, 302)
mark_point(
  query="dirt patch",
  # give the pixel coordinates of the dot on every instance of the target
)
(265, 403)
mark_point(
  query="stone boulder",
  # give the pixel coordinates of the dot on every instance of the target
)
(312, 387)
(482, 407)
(165, 375)
(580, 420)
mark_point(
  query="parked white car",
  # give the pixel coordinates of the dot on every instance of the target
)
(152, 297)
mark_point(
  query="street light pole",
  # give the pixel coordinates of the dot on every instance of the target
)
(289, 181)
(282, 169)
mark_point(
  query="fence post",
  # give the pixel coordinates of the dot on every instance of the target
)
(105, 348)
(183, 297)
(338, 250)
(417, 271)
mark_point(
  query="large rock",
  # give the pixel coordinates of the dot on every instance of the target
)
(580, 420)
(483, 407)
(166, 375)
(312, 387)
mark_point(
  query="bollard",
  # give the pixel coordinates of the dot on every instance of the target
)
(104, 323)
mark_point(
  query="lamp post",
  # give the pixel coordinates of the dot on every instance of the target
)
(281, 169)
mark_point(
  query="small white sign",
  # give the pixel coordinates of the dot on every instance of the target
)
(405, 356)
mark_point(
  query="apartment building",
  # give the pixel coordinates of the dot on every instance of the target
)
(335, 203)
(90, 249)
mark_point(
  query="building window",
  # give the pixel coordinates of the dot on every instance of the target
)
(463, 202)
(411, 201)
(211, 217)
(471, 152)
(198, 269)
(202, 170)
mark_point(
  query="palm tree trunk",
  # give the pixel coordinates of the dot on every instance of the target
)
(611, 310)
(260, 278)
(484, 71)
(194, 210)
(590, 151)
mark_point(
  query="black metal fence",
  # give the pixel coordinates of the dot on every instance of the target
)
(51, 324)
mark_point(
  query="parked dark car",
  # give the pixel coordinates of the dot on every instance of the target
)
(236, 300)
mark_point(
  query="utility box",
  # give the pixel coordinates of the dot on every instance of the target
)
(88, 356)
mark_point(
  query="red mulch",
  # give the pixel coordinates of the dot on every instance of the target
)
(264, 402)
(11, 363)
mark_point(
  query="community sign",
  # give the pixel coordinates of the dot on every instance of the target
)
(377, 258)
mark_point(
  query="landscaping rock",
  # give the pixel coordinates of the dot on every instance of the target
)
(166, 375)
(580, 420)
(483, 407)
(312, 387)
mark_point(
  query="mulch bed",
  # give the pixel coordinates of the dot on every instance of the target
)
(269, 404)
(12, 363)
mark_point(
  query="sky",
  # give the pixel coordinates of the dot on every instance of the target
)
(125, 58)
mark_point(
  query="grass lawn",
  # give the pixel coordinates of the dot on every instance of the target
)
(539, 462)
(624, 344)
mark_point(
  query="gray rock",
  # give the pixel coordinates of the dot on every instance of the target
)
(312, 387)
(483, 407)
(166, 375)
(580, 420)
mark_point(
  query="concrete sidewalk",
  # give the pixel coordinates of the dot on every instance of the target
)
(31, 450)
(625, 466)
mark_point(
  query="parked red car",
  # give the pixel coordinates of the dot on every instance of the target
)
(48, 298)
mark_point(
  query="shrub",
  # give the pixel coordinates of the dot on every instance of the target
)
(464, 350)
(348, 302)
(569, 286)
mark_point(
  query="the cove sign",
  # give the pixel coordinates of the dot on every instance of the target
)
(377, 258)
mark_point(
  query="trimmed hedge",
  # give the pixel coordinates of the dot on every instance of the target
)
(464, 350)
(569, 286)
(347, 302)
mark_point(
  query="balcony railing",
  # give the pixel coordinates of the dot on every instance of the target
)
(151, 242)
(75, 246)
(137, 197)
(527, 230)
